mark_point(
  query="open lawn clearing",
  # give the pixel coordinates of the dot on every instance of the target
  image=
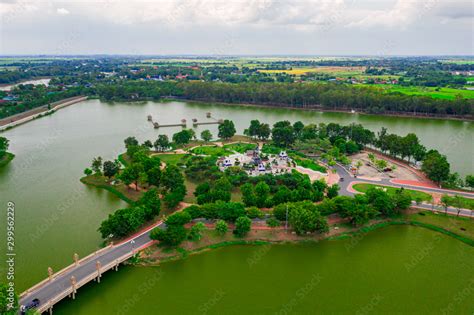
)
(415, 194)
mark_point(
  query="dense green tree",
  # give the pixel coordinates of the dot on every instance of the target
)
(248, 195)
(304, 218)
(221, 227)
(97, 165)
(111, 168)
(436, 166)
(283, 134)
(171, 177)
(147, 144)
(298, 129)
(178, 218)
(226, 129)
(183, 137)
(8, 300)
(333, 191)
(264, 131)
(171, 236)
(195, 233)
(162, 143)
(401, 200)
(130, 141)
(4, 144)
(253, 130)
(131, 174)
(206, 135)
(469, 181)
(151, 201)
(173, 197)
(359, 213)
(262, 191)
(194, 211)
(242, 226)
(380, 201)
(254, 212)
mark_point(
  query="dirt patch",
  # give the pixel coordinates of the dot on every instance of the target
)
(370, 172)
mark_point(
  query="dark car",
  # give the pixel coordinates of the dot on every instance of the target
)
(341, 179)
(33, 304)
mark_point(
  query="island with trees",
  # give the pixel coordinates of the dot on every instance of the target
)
(5, 156)
(274, 184)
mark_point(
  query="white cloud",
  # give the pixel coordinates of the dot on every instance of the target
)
(402, 14)
(62, 11)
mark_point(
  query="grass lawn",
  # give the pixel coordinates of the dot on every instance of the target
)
(240, 147)
(468, 203)
(172, 159)
(458, 225)
(6, 159)
(391, 190)
(213, 151)
(312, 165)
(121, 190)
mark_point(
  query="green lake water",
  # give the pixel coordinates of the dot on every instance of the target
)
(57, 216)
(395, 270)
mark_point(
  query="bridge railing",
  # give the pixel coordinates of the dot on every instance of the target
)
(69, 290)
(60, 272)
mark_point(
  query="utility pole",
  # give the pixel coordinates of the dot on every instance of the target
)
(286, 223)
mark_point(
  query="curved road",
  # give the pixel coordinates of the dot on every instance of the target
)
(87, 267)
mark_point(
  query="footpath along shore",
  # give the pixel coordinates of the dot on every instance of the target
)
(32, 114)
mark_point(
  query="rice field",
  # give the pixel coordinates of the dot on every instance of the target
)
(339, 71)
(441, 93)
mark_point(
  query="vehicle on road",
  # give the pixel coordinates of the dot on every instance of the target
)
(32, 305)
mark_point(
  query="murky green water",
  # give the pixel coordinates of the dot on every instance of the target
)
(396, 270)
(57, 216)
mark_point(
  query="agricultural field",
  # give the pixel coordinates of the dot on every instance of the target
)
(441, 93)
(335, 70)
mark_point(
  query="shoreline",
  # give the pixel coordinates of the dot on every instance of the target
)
(318, 109)
(6, 159)
(345, 233)
(24, 117)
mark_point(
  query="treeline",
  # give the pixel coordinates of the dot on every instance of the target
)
(36, 96)
(297, 95)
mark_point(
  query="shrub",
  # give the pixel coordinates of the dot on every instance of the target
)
(272, 222)
(242, 226)
(254, 212)
(221, 227)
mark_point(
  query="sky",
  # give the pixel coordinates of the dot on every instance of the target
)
(242, 27)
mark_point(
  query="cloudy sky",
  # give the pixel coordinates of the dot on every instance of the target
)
(229, 27)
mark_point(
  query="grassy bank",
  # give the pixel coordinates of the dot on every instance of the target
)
(120, 190)
(6, 159)
(415, 194)
(461, 229)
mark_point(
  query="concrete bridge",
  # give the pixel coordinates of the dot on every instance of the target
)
(66, 282)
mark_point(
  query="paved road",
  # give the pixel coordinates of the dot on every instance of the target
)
(88, 267)
(349, 179)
